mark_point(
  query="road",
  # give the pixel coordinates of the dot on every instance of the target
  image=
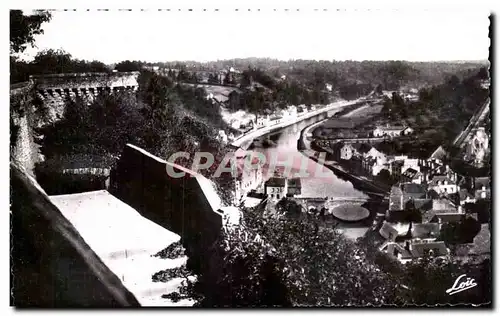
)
(477, 118)
(245, 140)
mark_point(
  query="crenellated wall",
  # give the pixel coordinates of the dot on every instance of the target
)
(56, 89)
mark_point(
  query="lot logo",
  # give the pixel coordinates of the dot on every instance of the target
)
(462, 283)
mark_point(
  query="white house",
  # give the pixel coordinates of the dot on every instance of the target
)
(249, 175)
(380, 157)
(390, 131)
(262, 121)
(410, 163)
(347, 151)
(276, 188)
(442, 184)
(408, 131)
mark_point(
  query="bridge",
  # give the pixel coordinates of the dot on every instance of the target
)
(354, 199)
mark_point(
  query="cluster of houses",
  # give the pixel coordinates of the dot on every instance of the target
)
(250, 176)
(269, 118)
(278, 187)
(392, 131)
(428, 196)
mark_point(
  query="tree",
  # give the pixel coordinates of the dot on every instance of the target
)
(319, 267)
(128, 65)
(460, 232)
(227, 79)
(384, 176)
(24, 28)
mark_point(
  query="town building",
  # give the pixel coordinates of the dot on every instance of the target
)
(477, 146)
(249, 174)
(413, 176)
(415, 249)
(276, 188)
(344, 151)
(466, 197)
(482, 189)
(391, 131)
(262, 121)
(294, 187)
(403, 192)
(443, 185)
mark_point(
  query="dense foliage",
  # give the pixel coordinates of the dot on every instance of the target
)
(24, 28)
(52, 61)
(439, 115)
(305, 263)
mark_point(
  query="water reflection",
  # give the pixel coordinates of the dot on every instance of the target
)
(320, 181)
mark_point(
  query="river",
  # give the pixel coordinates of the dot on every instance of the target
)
(321, 182)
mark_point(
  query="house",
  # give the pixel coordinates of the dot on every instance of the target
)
(370, 151)
(275, 119)
(294, 187)
(440, 207)
(407, 131)
(478, 146)
(443, 185)
(346, 151)
(438, 155)
(412, 176)
(396, 199)
(414, 249)
(392, 231)
(276, 188)
(466, 197)
(249, 173)
(442, 218)
(402, 193)
(425, 231)
(390, 131)
(262, 121)
(482, 188)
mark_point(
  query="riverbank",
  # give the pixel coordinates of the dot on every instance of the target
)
(248, 137)
(361, 183)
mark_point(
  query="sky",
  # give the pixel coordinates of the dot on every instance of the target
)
(150, 35)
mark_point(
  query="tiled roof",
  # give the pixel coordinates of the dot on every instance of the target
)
(442, 204)
(419, 204)
(442, 178)
(464, 194)
(410, 173)
(391, 128)
(448, 217)
(387, 231)
(483, 181)
(405, 254)
(395, 190)
(438, 248)
(439, 153)
(294, 183)
(425, 230)
(276, 182)
(412, 188)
